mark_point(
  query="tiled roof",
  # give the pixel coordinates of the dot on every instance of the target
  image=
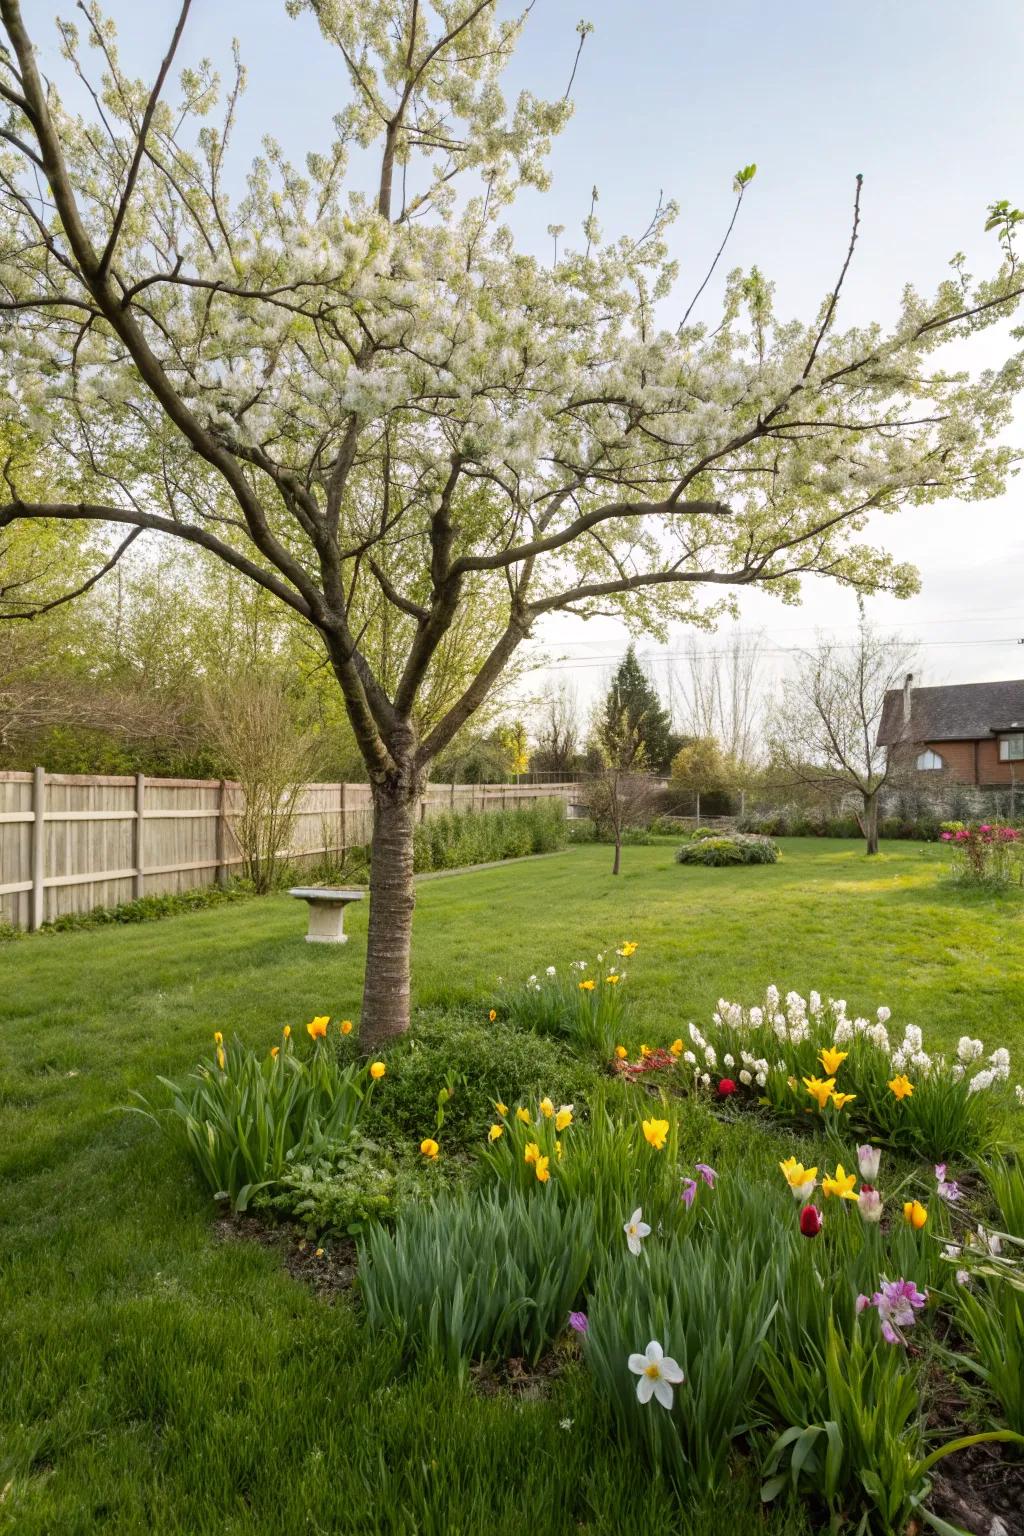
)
(960, 712)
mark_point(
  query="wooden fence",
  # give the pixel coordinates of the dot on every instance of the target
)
(71, 842)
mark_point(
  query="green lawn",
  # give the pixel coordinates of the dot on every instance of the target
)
(154, 1378)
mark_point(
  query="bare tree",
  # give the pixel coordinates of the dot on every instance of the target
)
(825, 731)
(366, 398)
(620, 793)
(253, 720)
(723, 687)
(557, 729)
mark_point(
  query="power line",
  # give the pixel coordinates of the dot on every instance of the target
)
(771, 650)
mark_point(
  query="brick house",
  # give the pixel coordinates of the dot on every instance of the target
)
(966, 733)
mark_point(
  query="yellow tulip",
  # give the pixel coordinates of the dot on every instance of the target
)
(218, 1038)
(676, 1047)
(645, 1051)
(541, 1169)
(901, 1086)
(493, 1015)
(523, 1115)
(317, 1030)
(221, 1058)
(275, 1050)
(345, 1026)
(500, 1107)
(915, 1214)
(586, 986)
(621, 1052)
(840, 1100)
(287, 1031)
(656, 1132)
(840, 1183)
(612, 979)
(563, 1118)
(429, 1147)
(377, 1070)
(818, 1090)
(547, 1109)
(832, 1060)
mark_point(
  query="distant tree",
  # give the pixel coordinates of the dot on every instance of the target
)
(619, 790)
(824, 733)
(723, 690)
(703, 768)
(557, 732)
(632, 691)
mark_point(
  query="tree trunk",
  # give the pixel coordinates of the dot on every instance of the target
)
(871, 822)
(392, 898)
(618, 854)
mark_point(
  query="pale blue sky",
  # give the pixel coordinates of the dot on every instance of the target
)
(922, 96)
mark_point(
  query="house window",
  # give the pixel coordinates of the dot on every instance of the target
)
(929, 761)
(1011, 748)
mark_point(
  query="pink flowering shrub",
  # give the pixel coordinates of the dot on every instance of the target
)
(985, 853)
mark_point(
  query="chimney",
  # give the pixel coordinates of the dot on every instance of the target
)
(908, 690)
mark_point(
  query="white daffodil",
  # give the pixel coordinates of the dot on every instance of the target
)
(658, 1373)
(636, 1229)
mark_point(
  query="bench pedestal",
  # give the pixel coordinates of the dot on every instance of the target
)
(326, 912)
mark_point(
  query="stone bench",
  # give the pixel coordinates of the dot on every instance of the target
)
(326, 912)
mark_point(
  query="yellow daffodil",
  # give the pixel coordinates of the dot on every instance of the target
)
(676, 1047)
(645, 1051)
(627, 949)
(531, 1152)
(819, 1091)
(901, 1086)
(915, 1214)
(586, 986)
(275, 1050)
(840, 1100)
(612, 979)
(832, 1060)
(377, 1070)
(564, 1117)
(495, 1131)
(656, 1132)
(500, 1107)
(840, 1183)
(493, 1015)
(317, 1030)
(218, 1038)
(429, 1147)
(540, 1168)
(547, 1109)
(621, 1052)
(287, 1031)
(523, 1115)
(345, 1026)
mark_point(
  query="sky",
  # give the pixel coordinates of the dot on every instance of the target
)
(672, 97)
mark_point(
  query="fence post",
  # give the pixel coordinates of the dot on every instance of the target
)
(342, 822)
(138, 840)
(38, 894)
(221, 850)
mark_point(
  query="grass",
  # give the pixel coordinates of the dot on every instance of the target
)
(156, 1379)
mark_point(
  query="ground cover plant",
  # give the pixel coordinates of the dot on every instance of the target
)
(160, 1372)
(731, 848)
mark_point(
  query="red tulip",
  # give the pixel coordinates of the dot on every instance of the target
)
(726, 1086)
(810, 1221)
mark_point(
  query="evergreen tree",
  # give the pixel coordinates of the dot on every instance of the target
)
(633, 692)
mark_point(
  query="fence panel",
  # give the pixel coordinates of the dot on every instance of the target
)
(71, 842)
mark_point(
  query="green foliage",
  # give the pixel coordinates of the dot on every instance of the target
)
(245, 1119)
(589, 1010)
(477, 1276)
(709, 1303)
(458, 838)
(633, 709)
(717, 850)
(481, 1063)
(147, 909)
(1005, 1179)
(360, 1183)
(991, 1319)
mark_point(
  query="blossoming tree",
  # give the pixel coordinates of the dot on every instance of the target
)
(367, 399)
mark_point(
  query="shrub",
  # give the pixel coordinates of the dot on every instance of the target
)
(456, 838)
(484, 1062)
(477, 1276)
(245, 1120)
(736, 848)
(985, 854)
(344, 1193)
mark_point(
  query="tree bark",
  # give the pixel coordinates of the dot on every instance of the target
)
(386, 984)
(618, 854)
(871, 822)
